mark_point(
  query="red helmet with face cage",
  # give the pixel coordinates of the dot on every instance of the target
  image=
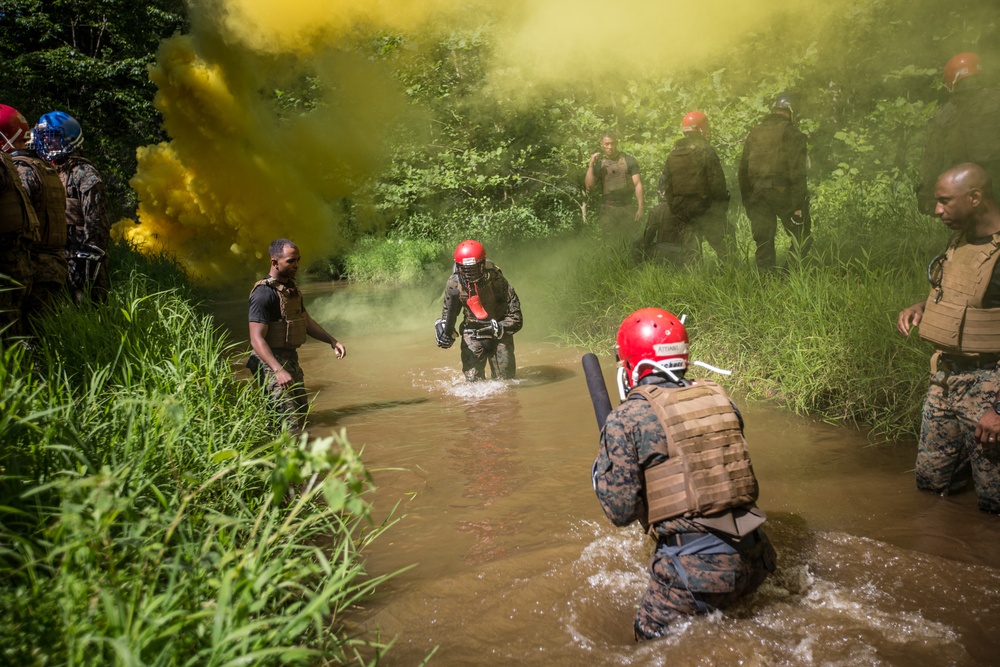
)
(651, 340)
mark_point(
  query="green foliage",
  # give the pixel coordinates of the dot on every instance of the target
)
(819, 338)
(392, 260)
(146, 514)
(90, 59)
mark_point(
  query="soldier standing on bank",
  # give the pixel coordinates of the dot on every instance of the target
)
(965, 129)
(694, 198)
(48, 200)
(279, 324)
(772, 178)
(57, 139)
(961, 317)
(672, 456)
(491, 314)
(617, 178)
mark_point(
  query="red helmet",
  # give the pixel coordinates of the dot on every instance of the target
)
(695, 121)
(650, 340)
(12, 127)
(470, 252)
(959, 67)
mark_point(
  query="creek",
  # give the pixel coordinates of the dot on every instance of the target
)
(511, 560)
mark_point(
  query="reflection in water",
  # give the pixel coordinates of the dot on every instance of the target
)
(516, 564)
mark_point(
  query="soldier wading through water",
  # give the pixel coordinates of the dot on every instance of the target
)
(672, 456)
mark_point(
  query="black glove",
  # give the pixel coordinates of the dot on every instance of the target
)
(497, 329)
(444, 339)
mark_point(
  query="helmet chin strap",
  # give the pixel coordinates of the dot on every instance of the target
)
(623, 387)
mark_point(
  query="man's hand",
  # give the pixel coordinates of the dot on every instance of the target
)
(497, 329)
(797, 216)
(444, 339)
(284, 378)
(988, 428)
(593, 158)
(910, 318)
(339, 348)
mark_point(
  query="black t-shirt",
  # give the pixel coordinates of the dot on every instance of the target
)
(991, 299)
(265, 305)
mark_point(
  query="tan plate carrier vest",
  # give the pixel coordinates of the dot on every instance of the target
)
(767, 153)
(615, 174)
(16, 212)
(290, 330)
(709, 469)
(52, 217)
(954, 318)
(687, 171)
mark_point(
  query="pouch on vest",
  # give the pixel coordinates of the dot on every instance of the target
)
(615, 175)
(941, 323)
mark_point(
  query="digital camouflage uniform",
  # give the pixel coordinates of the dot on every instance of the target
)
(965, 376)
(702, 574)
(18, 229)
(48, 199)
(291, 404)
(479, 347)
(965, 129)
(693, 205)
(772, 179)
(89, 229)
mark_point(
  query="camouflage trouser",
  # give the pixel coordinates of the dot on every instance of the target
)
(48, 288)
(764, 209)
(698, 583)
(15, 264)
(476, 352)
(290, 404)
(955, 402)
(88, 277)
(674, 232)
(618, 224)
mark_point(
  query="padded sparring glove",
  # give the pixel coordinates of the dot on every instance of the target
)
(444, 340)
(497, 329)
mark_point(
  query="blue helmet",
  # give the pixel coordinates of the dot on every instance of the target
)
(56, 135)
(783, 102)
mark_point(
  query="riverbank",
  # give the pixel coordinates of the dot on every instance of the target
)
(148, 515)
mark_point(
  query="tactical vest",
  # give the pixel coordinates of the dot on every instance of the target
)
(954, 318)
(486, 294)
(290, 330)
(16, 212)
(709, 469)
(687, 171)
(616, 176)
(52, 216)
(767, 153)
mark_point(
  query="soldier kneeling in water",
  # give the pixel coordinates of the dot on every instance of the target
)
(672, 456)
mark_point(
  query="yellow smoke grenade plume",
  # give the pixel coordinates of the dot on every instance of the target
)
(239, 172)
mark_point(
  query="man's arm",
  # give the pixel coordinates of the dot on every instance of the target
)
(513, 321)
(910, 317)
(637, 182)
(743, 174)
(798, 163)
(590, 178)
(616, 475)
(319, 333)
(94, 204)
(258, 332)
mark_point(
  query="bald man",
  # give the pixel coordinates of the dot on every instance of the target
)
(961, 316)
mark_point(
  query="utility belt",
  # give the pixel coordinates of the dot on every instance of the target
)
(479, 332)
(771, 183)
(678, 540)
(962, 363)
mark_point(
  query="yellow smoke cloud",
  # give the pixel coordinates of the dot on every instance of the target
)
(239, 172)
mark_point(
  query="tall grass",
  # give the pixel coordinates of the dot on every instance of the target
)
(819, 337)
(147, 514)
(393, 261)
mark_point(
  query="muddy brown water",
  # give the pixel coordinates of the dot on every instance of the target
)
(514, 562)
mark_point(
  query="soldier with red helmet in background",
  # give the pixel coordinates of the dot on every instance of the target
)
(693, 198)
(772, 179)
(672, 456)
(491, 314)
(57, 138)
(965, 129)
(48, 199)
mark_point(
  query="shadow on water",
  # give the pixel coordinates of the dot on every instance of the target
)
(535, 376)
(331, 416)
